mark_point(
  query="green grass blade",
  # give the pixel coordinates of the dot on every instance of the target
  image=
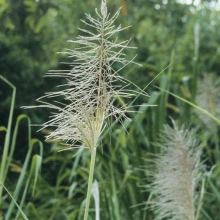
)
(13, 143)
(22, 213)
(193, 105)
(115, 201)
(35, 171)
(7, 137)
(22, 175)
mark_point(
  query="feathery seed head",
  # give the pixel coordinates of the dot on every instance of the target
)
(92, 83)
(176, 174)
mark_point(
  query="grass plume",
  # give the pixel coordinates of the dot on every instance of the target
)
(92, 85)
(176, 174)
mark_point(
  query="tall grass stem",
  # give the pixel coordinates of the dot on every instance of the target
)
(91, 174)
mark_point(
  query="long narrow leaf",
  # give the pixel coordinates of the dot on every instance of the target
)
(22, 213)
(193, 105)
(7, 137)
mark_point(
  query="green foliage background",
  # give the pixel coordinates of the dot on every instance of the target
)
(31, 32)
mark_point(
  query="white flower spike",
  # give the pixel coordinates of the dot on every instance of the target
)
(176, 174)
(92, 85)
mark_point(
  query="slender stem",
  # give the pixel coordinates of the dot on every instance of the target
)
(91, 172)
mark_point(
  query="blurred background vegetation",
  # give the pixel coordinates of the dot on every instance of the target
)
(31, 32)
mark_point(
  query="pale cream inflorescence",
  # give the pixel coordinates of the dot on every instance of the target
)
(91, 84)
(175, 175)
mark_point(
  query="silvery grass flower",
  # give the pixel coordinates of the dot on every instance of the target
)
(92, 87)
(175, 175)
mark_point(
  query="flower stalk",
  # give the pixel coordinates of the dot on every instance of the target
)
(89, 190)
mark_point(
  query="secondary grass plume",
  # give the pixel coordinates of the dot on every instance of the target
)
(176, 174)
